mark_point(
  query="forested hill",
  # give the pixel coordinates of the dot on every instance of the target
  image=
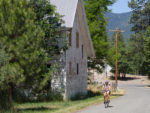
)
(119, 20)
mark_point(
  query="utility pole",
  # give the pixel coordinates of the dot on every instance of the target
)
(116, 73)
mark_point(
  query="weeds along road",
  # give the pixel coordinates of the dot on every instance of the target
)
(136, 100)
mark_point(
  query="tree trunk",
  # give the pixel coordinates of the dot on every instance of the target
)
(6, 101)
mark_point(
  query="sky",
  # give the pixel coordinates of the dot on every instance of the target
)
(121, 6)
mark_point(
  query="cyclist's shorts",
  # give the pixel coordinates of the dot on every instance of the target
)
(106, 91)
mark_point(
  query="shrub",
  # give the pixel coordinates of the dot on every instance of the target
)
(54, 96)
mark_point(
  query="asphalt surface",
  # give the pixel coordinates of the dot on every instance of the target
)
(136, 100)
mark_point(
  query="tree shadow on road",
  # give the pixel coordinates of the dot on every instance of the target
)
(117, 95)
(125, 78)
(42, 109)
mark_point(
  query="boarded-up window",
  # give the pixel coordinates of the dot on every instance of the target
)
(70, 40)
(77, 39)
(70, 68)
(82, 52)
(77, 69)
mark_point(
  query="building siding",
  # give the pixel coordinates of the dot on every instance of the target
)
(73, 83)
(76, 83)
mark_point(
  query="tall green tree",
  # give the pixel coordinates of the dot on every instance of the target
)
(136, 53)
(123, 65)
(147, 51)
(140, 19)
(23, 45)
(95, 11)
(5, 99)
(54, 40)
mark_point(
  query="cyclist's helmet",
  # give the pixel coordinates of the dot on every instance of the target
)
(106, 81)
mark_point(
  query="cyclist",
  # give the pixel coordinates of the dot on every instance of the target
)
(106, 90)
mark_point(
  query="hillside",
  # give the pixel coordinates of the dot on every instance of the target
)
(121, 21)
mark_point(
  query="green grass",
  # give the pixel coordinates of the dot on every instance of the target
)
(58, 107)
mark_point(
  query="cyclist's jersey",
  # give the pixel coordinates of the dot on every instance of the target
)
(106, 87)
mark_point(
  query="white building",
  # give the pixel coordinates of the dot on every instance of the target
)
(72, 79)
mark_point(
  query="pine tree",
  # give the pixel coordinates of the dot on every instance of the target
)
(54, 41)
(140, 19)
(21, 41)
(147, 51)
(136, 54)
(123, 66)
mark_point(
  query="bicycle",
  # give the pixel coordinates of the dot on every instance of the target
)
(106, 101)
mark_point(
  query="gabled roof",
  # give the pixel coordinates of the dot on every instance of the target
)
(86, 37)
(66, 8)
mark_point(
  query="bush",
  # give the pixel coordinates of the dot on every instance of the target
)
(54, 96)
(79, 96)
(92, 94)
(20, 95)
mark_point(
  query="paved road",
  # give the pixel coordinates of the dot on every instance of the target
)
(136, 100)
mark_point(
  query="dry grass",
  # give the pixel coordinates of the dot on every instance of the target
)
(118, 92)
(67, 106)
(94, 88)
(98, 89)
